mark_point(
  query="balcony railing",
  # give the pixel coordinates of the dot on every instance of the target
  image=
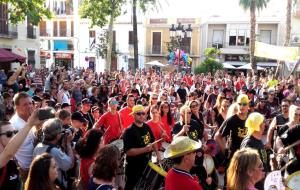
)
(31, 33)
(9, 32)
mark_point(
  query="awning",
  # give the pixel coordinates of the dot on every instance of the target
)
(233, 51)
(248, 67)
(228, 66)
(262, 64)
(7, 56)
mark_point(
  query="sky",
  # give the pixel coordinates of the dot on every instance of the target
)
(206, 8)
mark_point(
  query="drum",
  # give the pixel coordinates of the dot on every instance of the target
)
(293, 181)
(154, 156)
(152, 179)
(208, 164)
(118, 143)
(164, 145)
(273, 181)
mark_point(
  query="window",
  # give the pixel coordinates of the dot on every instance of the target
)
(130, 37)
(232, 38)
(31, 57)
(63, 28)
(92, 38)
(30, 30)
(186, 44)
(156, 42)
(217, 40)
(72, 28)
(3, 19)
(241, 37)
(55, 28)
(43, 28)
(265, 36)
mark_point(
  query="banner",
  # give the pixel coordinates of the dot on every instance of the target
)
(281, 53)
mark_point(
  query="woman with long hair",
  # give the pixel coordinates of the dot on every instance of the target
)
(155, 124)
(87, 149)
(173, 95)
(105, 169)
(166, 119)
(294, 119)
(245, 170)
(152, 101)
(42, 173)
(222, 113)
(115, 90)
(215, 110)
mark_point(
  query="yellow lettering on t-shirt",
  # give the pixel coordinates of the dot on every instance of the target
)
(242, 132)
(146, 138)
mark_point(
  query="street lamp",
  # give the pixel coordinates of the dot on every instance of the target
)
(178, 34)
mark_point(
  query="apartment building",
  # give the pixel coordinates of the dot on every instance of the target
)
(232, 36)
(22, 39)
(295, 38)
(57, 35)
(158, 35)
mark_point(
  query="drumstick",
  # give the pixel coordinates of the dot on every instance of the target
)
(287, 164)
(157, 141)
(292, 145)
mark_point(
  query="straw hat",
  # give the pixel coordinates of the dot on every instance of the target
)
(180, 146)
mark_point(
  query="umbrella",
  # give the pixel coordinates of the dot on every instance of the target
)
(228, 66)
(7, 56)
(248, 66)
(155, 63)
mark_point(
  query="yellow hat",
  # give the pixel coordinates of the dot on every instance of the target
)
(180, 146)
(254, 121)
(136, 109)
(243, 98)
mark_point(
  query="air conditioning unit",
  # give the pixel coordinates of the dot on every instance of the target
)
(296, 39)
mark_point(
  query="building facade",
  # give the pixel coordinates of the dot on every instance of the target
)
(157, 36)
(295, 32)
(232, 37)
(22, 39)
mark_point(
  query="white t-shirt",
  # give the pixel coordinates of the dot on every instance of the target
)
(25, 152)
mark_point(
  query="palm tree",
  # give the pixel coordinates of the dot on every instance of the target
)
(253, 5)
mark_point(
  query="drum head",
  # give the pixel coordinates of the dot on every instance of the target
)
(165, 145)
(293, 180)
(158, 169)
(154, 156)
(208, 164)
(273, 181)
(118, 143)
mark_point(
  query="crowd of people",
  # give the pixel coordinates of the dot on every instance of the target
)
(64, 129)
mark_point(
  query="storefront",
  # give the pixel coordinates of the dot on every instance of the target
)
(64, 60)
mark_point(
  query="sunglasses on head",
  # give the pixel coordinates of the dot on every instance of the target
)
(9, 134)
(140, 113)
(243, 104)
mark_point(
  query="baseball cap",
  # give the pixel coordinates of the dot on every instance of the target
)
(94, 108)
(243, 98)
(136, 109)
(86, 101)
(78, 117)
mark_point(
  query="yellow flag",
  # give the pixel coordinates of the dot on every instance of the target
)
(281, 53)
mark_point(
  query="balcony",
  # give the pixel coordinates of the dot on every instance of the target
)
(9, 32)
(31, 33)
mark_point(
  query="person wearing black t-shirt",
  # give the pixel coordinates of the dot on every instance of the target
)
(234, 127)
(138, 144)
(86, 106)
(191, 128)
(255, 124)
(182, 92)
(289, 137)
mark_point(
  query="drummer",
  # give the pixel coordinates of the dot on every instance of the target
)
(255, 124)
(138, 144)
(182, 151)
(289, 137)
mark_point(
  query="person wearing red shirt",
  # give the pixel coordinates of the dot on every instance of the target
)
(188, 80)
(182, 151)
(156, 125)
(167, 120)
(126, 118)
(110, 122)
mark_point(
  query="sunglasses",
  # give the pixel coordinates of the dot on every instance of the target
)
(140, 113)
(243, 104)
(9, 134)
(114, 102)
(153, 98)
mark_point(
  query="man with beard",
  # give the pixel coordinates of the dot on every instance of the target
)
(138, 144)
(64, 95)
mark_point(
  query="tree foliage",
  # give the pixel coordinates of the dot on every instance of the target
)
(102, 46)
(100, 11)
(210, 64)
(34, 10)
